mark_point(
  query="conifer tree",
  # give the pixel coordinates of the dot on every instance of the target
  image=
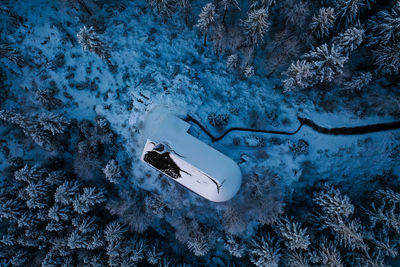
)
(347, 11)
(326, 62)
(232, 61)
(90, 41)
(300, 76)
(358, 82)
(226, 4)
(164, 7)
(112, 171)
(384, 29)
(323, 22)
(255, 26)
(207, 18)
(350, 39)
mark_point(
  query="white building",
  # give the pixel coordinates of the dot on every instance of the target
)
(187, 160)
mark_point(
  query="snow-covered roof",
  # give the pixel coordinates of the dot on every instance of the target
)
(187, 160)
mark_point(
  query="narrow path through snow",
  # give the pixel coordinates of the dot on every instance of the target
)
(357, 130)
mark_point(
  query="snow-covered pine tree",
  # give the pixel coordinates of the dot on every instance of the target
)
(207, 18)
(86, 201)
(235, 246)
(90, 41)
(265, 252)
(336, 211)
(329, 255)
(322, 22)
(198, 243)
(154, 255)
(164, 7)
(358, 82)
(350, 39)
(347, 11)
(385, 27)
(248, 72)
(232, 61)
(47, 98)
(293, 235)
(112, 171)
(67, 192)
(326, 61)
(40, 128)
(387, 58)
(300, 75)
(255, 26)
(185, 7)
(226, 4)
(56, 124)
(294, 258)
(59, 212)
(333, 203)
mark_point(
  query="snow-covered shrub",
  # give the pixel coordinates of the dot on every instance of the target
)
(218, 120)
(301, 147)
(294, 236)
(265, 252)
(384, 29)
(112, 171)
(90, 41)
(232, 61)
(6, 51)
(207, 18)
(255, 26)
(254, 141)
(358, 81)
(350, 39)
(323, 22)
(165, 8)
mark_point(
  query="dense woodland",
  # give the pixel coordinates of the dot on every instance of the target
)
(73, 198)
